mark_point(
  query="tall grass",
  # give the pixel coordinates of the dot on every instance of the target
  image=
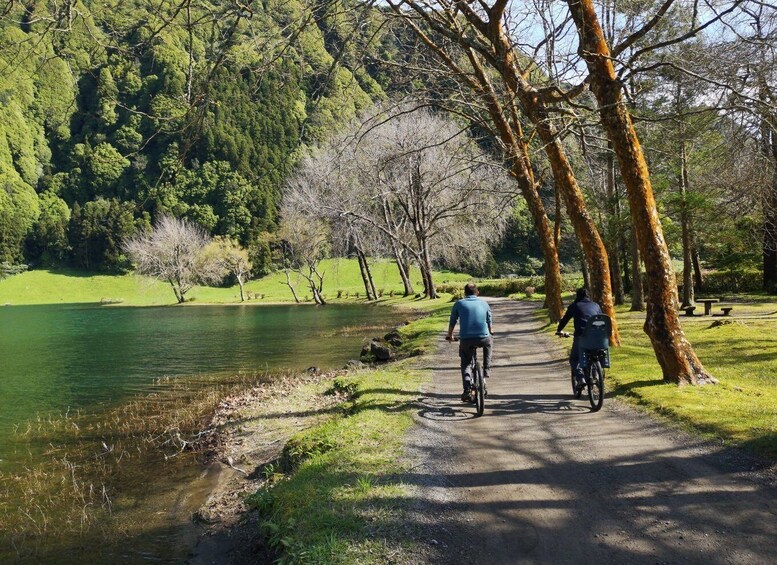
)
(81, 467)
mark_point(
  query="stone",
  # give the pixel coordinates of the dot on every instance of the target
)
(379, 351)
(394, 338)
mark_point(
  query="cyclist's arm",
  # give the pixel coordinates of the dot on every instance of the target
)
(489, 320)
(452, 322)
(565, 320)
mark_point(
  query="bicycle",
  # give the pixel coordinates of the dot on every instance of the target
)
(477, 390)
(595, 358)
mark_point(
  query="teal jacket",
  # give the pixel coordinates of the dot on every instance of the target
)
(475, 316)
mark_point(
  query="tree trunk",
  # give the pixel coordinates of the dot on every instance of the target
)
(637, 292)
(585, 228)
(625, 263)
(426, 272)
(514, 146)
(291, 286)
(513, 140)
(584, 269)
(178, 296)
(613, 232)
(698, 278)
(675, 355)
(317, 297)
(556, 228)
(368, 288)
(685, 221)
(404, 271)
(369, 277)
(769, 245)
(240, 283)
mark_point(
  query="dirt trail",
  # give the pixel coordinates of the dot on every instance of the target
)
(541, 479)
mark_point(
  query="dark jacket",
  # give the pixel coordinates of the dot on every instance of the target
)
(580, 310)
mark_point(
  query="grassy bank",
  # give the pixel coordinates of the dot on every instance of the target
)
(335, 497)
(72, 286)
(741, 352)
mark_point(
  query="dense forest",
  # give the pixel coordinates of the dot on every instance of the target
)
(116, 112)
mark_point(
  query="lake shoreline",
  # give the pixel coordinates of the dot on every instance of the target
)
(149, 420)
(251, 464)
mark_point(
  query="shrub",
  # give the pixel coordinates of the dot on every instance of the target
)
(734, 280)
(529, 290)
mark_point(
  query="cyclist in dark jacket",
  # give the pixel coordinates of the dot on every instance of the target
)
(580, 310)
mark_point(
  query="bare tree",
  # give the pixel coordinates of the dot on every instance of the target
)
(171, 252)
(418, 180)
(305, 243)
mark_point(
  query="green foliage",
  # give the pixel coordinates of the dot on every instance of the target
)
(48, 240)
(19, 209)
(160, 121)
(733, 281)
(97, 231)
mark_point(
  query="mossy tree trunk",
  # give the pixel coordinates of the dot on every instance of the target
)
(675, 355)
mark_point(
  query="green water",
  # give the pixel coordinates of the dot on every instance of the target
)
(81, 357)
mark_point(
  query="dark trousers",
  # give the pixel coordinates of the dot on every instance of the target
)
(465, 353)
(576, 359)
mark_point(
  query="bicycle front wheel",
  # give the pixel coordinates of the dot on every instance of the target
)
(480, 391)
(596, 386)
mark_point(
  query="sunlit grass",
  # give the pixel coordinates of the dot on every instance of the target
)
(741, 353)
(341, 501)
(72, 286)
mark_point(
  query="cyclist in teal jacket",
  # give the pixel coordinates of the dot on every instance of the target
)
(474, 315)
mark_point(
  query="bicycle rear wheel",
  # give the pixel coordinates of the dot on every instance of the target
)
(595, 383)
(480, 390)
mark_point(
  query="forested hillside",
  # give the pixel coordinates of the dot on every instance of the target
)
(113, 112)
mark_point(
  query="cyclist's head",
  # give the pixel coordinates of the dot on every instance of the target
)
(582, 293)
(470, 289)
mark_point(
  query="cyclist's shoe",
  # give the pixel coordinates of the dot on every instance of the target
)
(465, 396)
(486, 373)
(580, 382)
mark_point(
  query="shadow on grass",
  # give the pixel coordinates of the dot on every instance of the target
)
(632, 387)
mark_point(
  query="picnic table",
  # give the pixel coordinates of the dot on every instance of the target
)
(708, 302)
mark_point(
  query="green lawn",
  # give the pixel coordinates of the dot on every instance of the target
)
(742, 354)
(73, 286)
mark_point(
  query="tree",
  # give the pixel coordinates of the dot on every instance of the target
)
(171, 252)
(416, 178)
(674, 352)
(485, 40)
(305, 243)
(224, 256)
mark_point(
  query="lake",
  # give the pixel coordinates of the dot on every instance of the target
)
(69, 357)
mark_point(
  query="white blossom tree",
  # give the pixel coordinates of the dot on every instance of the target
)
(171, 252)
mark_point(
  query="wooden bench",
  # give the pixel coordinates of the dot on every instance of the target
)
(689, 310)
(727, 310)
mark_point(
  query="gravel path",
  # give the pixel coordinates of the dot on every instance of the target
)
(541, 479)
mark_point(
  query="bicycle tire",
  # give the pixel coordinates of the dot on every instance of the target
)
(596, 386)
(480, 390)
